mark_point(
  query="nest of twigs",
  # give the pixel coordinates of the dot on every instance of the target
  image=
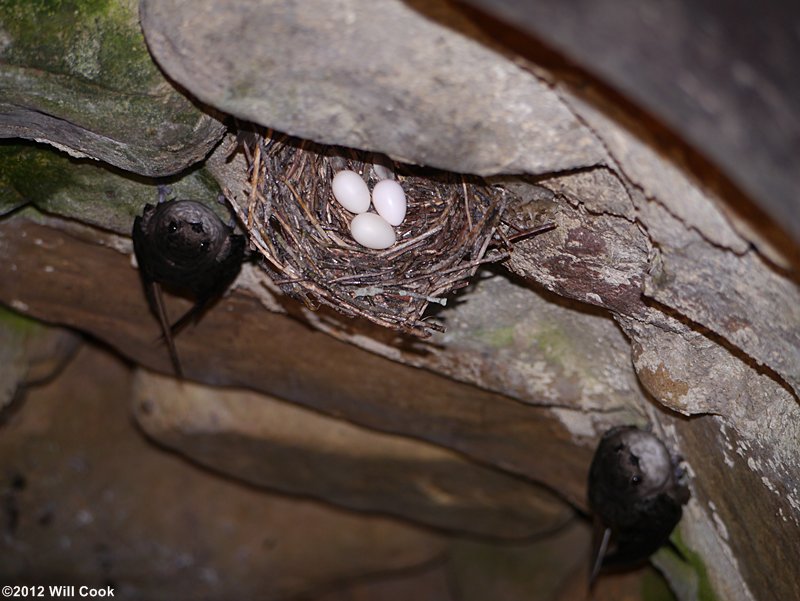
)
(294, 222)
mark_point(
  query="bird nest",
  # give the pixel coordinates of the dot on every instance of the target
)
(450, 230)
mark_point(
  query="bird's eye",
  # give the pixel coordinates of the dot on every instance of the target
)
(204, 245)
(172, 227)
(636, 480)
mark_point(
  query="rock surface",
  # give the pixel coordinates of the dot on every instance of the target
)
(87, 501)
(30, 353)
(59, 185)
(334, 73)
(652, 296)
(78, 76)
(279, 446)
(545, 569)
(456, 428)
(282, 357)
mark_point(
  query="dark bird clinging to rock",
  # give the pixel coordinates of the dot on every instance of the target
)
(183, 246)
(636, 490)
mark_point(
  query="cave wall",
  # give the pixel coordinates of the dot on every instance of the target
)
(657, 300)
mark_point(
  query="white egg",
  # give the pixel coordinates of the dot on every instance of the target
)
(390, 201)
(372, 231)
(351, 191)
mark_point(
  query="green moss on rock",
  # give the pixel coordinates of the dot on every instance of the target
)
(32, 172)
(498, 338)
(553, 343)
(85, 191)
(686, 572)
(97, 40)
(705, 592)
(78, 73)
(17, 324)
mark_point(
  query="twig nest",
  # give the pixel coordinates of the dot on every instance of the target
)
(298, 212)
